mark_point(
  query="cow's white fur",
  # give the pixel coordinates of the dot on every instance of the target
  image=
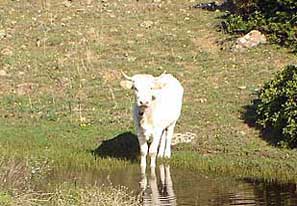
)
(158, 102)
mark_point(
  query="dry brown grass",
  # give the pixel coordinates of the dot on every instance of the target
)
(14, 174)
(89, 196)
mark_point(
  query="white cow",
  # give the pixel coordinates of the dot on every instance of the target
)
(157, 108)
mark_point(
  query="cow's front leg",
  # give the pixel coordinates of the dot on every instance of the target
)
(154, 146)
(143, 151)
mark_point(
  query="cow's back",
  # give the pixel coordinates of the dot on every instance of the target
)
(168, 100)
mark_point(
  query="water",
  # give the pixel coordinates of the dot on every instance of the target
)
(172, 186)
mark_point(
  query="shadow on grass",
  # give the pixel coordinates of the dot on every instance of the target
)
(249, 115)
(123, 146)
(213, 6)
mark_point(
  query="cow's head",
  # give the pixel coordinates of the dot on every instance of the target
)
(145, 88)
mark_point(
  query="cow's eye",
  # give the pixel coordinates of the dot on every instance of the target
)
(153, 97)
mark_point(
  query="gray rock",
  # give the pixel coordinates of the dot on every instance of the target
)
(179, 138)
(250, 40)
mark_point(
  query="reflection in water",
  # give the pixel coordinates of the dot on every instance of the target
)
(177, 186)
(242, 198)
(155, 193)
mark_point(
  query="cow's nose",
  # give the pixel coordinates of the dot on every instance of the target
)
(143, 102)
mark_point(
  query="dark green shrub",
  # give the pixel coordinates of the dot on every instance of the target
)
(277, 18)
(244, 8)
(277, 107)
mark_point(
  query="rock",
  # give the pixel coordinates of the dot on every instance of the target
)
(250, 40)
(242, 133)
(147, 24)
(21, 73)
(23, 47)
(67, 3)
(38, 42)
(7, 51)
(131, 59)
(179, 138)
(2, 34)
(202, 100)
(3, 73)
(242, 87)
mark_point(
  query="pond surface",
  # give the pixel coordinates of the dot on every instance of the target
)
(172, 186)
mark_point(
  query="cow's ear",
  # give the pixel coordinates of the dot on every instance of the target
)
(158, 85)
(126, 84)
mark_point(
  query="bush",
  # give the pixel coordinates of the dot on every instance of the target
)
(277, 18)
(277, 107)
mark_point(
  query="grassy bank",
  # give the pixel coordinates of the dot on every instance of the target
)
(106, 196)
(60, 93)
(30, 181)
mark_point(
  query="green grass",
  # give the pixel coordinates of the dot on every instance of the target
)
(62, 97)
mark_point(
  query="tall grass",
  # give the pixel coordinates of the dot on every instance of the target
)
(88, 196)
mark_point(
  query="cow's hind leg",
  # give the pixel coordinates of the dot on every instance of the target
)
(162, 144)
(170, 131)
